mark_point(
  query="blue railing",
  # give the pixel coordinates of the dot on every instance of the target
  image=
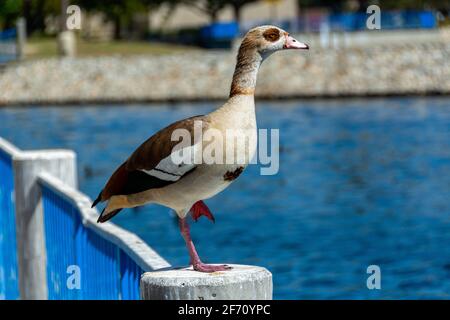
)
(9, 287)
(90, 261)
(104, 270)
(84, 260)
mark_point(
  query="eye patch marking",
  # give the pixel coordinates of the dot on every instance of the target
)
(272, 34)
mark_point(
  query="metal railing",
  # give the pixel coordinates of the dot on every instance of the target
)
(83, 259)
(9, 286)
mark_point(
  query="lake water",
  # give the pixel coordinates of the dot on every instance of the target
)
(361, 182)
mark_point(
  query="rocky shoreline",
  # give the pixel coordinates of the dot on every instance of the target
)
(382, 70)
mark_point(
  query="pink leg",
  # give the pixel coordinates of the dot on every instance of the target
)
(197, 264)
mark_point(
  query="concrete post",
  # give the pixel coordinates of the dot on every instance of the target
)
(67, 43)
(21, 38)
(29, 214)
(240, 283)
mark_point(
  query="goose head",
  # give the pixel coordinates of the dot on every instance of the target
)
(257, 45)
(269, 39)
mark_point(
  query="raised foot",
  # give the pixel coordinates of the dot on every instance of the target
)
(200, 209)
(202, 267)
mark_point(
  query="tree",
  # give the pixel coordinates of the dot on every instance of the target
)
(237, 6)
(213, 7)
(208, 7)
(35, 12)
(332, 4)
(9, 12)
(119, 12)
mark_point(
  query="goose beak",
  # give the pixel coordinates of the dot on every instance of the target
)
(291, 43)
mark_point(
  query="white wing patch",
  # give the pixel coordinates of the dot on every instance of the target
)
(162, 175)
(177, 164)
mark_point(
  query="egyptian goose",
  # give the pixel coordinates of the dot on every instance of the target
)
(151, 175)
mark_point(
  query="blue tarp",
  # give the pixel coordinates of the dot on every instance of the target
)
(220, 31)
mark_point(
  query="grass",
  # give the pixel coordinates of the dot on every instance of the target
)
(38, 48)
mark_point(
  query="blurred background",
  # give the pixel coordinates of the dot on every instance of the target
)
(364, 119)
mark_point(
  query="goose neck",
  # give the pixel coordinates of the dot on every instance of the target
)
(245, 73)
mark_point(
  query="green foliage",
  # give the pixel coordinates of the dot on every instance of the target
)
(9, 12)
(119, 12)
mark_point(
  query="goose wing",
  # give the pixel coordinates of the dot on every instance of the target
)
(151, 165)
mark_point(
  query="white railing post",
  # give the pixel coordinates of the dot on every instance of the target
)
(240, 283)
(31, 251)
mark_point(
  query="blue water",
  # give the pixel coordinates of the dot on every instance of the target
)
(361, 182)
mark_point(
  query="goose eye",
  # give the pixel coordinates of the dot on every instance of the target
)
(271, 34)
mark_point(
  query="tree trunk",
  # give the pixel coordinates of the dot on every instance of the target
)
(63, 25)
(237, 13)
(26, 12)
(213, 16)
(117, 28)
(39, 16)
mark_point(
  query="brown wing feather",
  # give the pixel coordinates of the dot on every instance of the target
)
(159, 146)
(129, 179)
